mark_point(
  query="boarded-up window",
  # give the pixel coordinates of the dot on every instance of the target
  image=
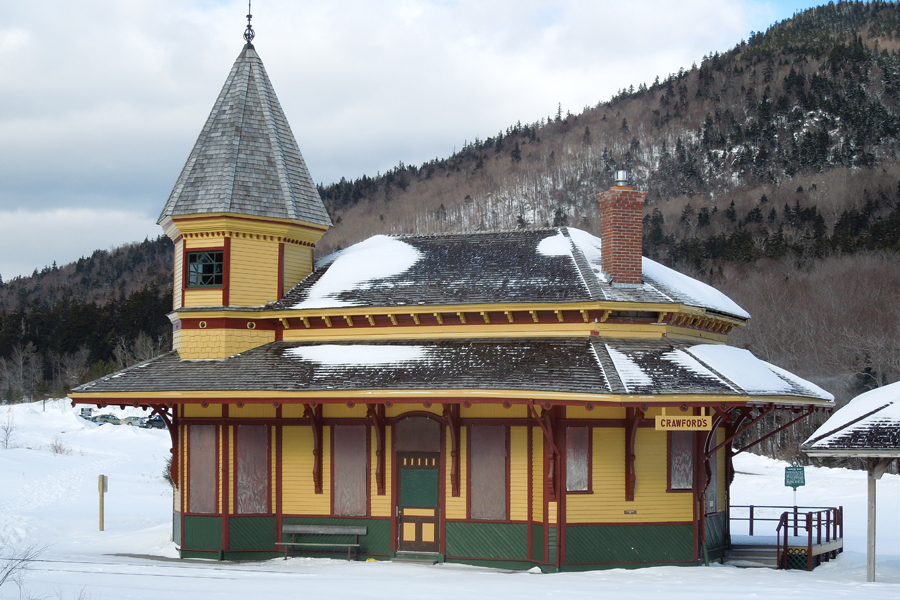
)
(577, 459)
(417, 434)
(488, 472)
(681, 460)
(712, 491)
(350, 470)
(252, 469)
(202, 465)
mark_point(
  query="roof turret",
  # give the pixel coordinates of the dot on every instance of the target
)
(246, 160)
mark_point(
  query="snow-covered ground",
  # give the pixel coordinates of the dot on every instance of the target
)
(50, 500)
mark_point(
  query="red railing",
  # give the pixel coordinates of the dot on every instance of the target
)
(813, 524)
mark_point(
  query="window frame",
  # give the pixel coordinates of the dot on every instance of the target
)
(189, 252)
(669, 488)
(506, 479)
(590, 460)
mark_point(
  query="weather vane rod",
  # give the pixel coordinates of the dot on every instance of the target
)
(248, 33)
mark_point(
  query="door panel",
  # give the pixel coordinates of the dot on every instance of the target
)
(418, 504)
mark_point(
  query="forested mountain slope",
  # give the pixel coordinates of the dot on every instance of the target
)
(773, 172)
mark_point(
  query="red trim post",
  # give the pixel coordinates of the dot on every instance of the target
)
(280, 288)
(226, 271)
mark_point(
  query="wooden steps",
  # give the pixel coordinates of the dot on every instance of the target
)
(752, 556)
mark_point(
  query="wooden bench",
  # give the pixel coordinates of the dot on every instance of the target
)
(334, 530)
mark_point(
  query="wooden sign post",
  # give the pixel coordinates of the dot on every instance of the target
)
(103, 485)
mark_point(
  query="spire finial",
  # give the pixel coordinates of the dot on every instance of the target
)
(248, 33)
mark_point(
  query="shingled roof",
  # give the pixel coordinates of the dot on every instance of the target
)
(869, 425)
(246, 160)
(585, 365)
(525, 266)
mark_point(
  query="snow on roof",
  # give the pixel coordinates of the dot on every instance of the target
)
(355, 267)
(753, 375)
(549, 265)
(871, 421)
(357, 354)
(631, 374)
(697, 292)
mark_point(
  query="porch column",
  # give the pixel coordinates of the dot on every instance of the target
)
(870, 531)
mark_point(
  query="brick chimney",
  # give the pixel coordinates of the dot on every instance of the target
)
(621, 214)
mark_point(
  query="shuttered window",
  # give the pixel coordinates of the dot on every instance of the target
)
(488, 472)
(349, 459)
(252, 457)
(202, 469)
(681, 460)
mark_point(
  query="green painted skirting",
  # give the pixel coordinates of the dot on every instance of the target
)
(202, 533)
(251, 533)
(377, 540)
(512, 565)
(506, 541)
(537, 543)
(658, 544)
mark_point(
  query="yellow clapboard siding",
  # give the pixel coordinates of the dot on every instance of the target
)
(177, 281)
(217, 241)
(381, 505)
(196, 410)
(253, 272)
(518, 473)
(298, 489)
(599, 412)
(297, 264)
(342, 411)
(292, 411)
(494, 411)
(252, 411)
(400, 409)
(607, 502)
(537, 474)
(456, 507)
(203, 297)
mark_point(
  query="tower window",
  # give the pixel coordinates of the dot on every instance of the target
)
(205, 269)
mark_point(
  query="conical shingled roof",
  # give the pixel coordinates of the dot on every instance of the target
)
(246, 160)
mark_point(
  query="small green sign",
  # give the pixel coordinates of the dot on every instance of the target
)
(794, 476)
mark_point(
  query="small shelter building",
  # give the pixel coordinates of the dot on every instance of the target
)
(526, 398)
(868, 427)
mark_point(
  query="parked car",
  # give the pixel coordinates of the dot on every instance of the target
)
(103, 419)
(155, 422)
(133, 421)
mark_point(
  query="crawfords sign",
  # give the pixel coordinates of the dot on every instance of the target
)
(686, 423)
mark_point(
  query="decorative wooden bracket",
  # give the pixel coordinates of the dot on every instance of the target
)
(546, 422)
(451, 420)
(375, 416)
(803, 415)
(737, 429)
(633, 419)
(314, 414)
(163, 413)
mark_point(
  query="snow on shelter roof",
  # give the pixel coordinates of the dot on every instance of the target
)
(868, 424)
(581, 365)
(545, 265)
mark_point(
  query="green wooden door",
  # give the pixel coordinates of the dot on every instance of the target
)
(418, 503)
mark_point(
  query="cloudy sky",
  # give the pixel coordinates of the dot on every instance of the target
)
(101, 100)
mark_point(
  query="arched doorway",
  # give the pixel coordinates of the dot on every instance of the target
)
(417, 442)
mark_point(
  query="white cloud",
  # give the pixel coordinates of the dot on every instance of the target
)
(32, 240)
(102, 99)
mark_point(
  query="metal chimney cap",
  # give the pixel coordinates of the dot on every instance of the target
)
(622, 178)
